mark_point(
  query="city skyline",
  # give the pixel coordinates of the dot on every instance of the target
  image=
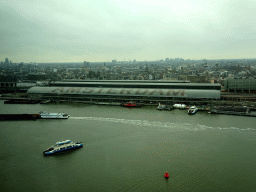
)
(105, 30)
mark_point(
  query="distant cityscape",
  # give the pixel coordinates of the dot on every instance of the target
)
(233, 74)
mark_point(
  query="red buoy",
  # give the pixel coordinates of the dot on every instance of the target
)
(166, 175)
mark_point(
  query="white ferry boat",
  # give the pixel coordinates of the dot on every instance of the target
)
(46, 115)
(62, 146)
(192, 110)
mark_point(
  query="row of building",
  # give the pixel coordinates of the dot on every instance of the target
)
(158, 80)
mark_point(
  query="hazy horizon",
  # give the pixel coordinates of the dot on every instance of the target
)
(104, 30)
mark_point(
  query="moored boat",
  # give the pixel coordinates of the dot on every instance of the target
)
(131, 104)
(164, 107)
(180, 106)
(11, 117)
(46, 115)
(62, 146)
(21, 101)
(192, 110)
(161, 107)
(45, 101)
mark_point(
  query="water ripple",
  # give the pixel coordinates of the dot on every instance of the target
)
(158, 124)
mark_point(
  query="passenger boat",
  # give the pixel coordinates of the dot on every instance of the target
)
(192, 110)
(46, 115)
(131, 104)
(62, 146)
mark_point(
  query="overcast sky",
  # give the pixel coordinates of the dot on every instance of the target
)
(103, 30)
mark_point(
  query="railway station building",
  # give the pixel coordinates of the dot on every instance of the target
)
(122, 91)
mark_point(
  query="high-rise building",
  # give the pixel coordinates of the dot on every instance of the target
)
(6, 61)
(86, 64)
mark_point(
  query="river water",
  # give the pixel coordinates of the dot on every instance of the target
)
(127, 149)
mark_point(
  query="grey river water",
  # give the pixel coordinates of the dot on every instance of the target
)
(127, 150)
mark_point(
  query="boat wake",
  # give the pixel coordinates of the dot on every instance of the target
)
(161, 125)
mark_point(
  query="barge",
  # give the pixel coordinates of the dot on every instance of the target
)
(19, 116)
(40, 115)
(22, 101)
(232, 113)
(233, 110)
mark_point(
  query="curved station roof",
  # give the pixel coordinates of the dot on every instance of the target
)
(132, 92)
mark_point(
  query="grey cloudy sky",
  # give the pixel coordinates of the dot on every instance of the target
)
(102, 30)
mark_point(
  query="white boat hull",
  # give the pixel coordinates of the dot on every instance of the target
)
(45, 115)
(192, 110)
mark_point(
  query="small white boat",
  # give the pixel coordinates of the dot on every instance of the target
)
(179, 106)
(192, 110)
(46, 115)
(161, 107)
(62, 146)
(164, 107)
